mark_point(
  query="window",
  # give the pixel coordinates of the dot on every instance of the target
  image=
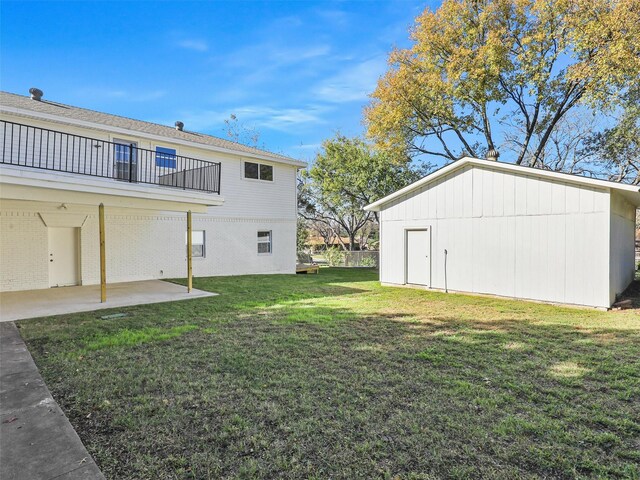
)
(251, 170)
(125, 160)
(258, 171)
(165, 157)
(264, 242)
(266, 172)
(197, 243)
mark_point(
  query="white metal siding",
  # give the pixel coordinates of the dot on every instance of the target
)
(506, 234)
(622, 255)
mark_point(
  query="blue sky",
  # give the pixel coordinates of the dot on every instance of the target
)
(295, 71)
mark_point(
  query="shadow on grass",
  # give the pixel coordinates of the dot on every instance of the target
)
(303, 377)
(633, 293)
(238, 293)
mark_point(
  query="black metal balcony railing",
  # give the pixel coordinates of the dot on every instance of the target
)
(28, 146)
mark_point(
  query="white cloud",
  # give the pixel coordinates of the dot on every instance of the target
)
(288, 55)
(307, 147)
(290, 21)
(283, 119)
(121, 94)
(273, 55)
(336, 18)
(352, 84)
(193, 44)
(258, 117)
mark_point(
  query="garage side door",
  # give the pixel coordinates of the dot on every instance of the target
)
(419, 257)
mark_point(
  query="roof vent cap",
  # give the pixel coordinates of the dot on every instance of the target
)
(36, 93)
(493, 155)
(179, 125)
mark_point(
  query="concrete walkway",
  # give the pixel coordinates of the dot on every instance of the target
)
(57, 301)
(37, 442)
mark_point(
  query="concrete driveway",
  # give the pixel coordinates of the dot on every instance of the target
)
(61, 300)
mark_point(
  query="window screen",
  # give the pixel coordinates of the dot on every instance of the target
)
(165, 157)
(264, 242)
(197, 243)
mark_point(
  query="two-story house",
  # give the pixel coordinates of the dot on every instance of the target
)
(59, 163)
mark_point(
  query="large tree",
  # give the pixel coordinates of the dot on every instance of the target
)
(616, 150)
(347, 175)
(478, 68)
(240, 132)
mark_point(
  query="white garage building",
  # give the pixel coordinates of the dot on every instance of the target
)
(494, 228)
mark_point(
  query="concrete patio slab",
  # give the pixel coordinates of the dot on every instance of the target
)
(57, 301)
(37, 442)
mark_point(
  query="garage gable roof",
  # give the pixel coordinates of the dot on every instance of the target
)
(631, 192)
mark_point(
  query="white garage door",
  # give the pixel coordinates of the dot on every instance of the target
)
(419, 257)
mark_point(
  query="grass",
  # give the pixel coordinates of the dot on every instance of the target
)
(334, 376)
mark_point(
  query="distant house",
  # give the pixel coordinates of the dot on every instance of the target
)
(59, 162)
(318, 244)
(488, 227)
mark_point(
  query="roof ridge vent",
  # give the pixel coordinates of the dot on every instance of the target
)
(493, 155)
(36, 93)
(179, 125)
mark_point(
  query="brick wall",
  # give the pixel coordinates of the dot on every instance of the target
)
(23, 251)
(142, 246)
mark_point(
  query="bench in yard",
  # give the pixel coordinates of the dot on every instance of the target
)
(306, 268)
(305, 264)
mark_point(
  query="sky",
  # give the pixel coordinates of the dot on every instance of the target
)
(297, 72)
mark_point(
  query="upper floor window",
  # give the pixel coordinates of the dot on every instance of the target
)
(258, 171)
(165, 157)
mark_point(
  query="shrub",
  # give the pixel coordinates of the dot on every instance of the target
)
(368, 262)
(334, 256)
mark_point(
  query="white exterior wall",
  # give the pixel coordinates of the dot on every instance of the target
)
(23, 251)
(140, 245)
(147, 244)
(242, 197)
(505, 234)
(622, 254)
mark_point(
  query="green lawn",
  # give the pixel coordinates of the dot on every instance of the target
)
(333, 376)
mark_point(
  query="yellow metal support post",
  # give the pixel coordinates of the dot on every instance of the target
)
(189, 260)
(103, 257)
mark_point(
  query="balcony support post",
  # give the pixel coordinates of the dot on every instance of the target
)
(189, 256)
(103, 258)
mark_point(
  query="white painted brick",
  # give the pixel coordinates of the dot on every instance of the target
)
(143, 246)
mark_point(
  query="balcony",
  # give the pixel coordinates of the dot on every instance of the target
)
(50, 150)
